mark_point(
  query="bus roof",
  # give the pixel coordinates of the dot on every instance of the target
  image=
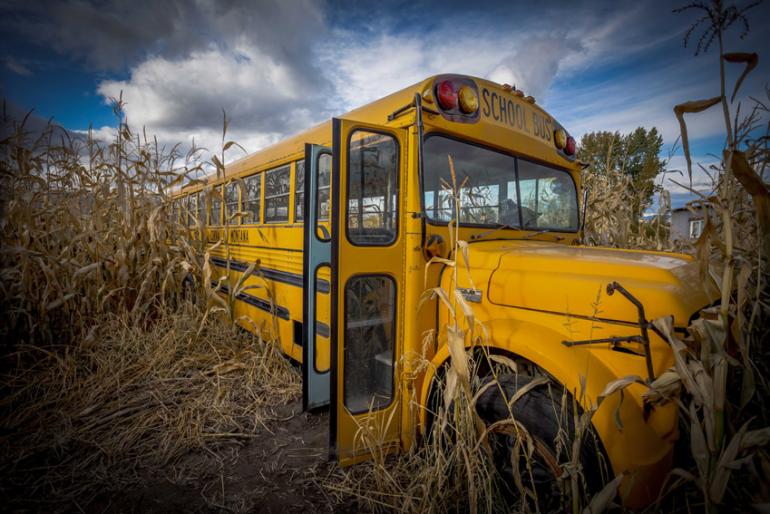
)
(378, 112)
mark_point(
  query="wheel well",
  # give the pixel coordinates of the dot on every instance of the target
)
(481, 368)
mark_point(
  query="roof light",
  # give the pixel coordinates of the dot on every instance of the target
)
(427, 95)
(469, 101)
(447, 95)
(560, 138)
(569, 148)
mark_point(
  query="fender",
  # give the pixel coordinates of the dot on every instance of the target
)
(644, 444)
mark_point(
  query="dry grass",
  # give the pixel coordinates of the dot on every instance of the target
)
(117, 357)
(610, 214)
(133, 399)
(719, 379)
(721, 367)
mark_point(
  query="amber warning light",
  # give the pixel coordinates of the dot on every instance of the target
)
(564, 142)
(455, 97)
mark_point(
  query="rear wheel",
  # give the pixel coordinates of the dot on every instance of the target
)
(551, 428)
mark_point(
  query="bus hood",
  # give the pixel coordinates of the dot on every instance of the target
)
(573, 280)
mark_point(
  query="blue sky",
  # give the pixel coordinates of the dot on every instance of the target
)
(279, 67)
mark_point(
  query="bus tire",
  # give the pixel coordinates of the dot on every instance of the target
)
(538, 412)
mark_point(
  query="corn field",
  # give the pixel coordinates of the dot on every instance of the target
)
(118, 357)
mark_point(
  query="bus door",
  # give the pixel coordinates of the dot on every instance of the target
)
(367, 289)
(316, 352)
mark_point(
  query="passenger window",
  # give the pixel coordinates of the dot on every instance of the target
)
(324, 186)
(216, 207)
(370, 326)
(299, 190)
(201, 196)
(232, 204)
(277, 195)
(192, 209)
(251, 203)
(175, 209)
(372, 214)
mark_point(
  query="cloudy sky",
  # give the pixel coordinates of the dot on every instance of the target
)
(278, 67)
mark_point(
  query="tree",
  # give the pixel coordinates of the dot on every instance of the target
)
(635, 155)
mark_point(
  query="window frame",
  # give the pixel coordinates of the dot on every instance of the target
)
(516, 157)
(397, 231)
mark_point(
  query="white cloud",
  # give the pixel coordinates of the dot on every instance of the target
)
(533, 67)
(282, 69)
(12, 64)
(105, 134)
(365, 69)
(113, 34)
(703, 175)
(181, 99)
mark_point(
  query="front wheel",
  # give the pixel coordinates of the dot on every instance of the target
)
(551, 429)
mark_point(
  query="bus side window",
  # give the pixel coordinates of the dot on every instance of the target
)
(252, 199)
(324, 186)
(201, 207)
(192, 207)
(216, 207)
(277, 194)
(299, 190)
(232, 205)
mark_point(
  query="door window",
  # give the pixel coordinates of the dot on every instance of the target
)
(324, 186)
(372, 213)
(370, 323)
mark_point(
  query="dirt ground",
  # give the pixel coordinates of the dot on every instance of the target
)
(277, 471)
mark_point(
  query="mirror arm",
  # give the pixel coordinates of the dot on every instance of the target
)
(583, 214)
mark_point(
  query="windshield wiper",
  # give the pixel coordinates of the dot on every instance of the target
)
(500, 226)
(543, 231)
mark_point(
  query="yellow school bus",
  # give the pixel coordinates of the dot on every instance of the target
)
(343, 218)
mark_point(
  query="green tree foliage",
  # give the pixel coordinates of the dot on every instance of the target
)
(635, 155)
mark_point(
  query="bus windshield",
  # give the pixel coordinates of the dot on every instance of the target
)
(490, 194)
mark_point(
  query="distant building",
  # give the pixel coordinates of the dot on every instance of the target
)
(687, 225)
